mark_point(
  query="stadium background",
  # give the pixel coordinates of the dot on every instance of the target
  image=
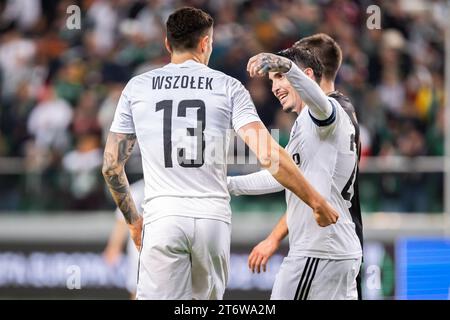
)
(59, 89)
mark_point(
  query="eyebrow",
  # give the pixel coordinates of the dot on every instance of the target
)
(277, 74)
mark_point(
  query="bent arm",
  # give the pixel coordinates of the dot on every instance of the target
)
(321, 109)
(280, 231)
(117, 151)
(319, 106)
(261, 254)
(261, 182)
(278, 162)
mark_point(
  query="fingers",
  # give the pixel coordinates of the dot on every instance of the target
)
(251, 61)
(256, 66)
(257, 262)
(258, 69)
(326, 221)
(253, 69)
(323, 223)
(326, 215)
(254, 261)
(250, 65)
(138, 245)
(334, 217)
(264, 263)
(137, 239)
(263, 69)
(251, 261)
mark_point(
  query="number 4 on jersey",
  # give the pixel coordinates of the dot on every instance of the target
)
(346, 193)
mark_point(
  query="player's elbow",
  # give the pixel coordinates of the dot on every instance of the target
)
(270, 162)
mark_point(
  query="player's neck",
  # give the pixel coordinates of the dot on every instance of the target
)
(327, 86)
(180, 57)
(299, 108)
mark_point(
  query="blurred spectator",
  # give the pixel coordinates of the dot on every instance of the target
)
(59, 87)
(108, 107)
(83, 165)
(85, 115)
(69, 81)
(25, 13)
(16, 54)
(104, 19)
(49, 121)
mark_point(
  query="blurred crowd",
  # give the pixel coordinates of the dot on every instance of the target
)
(60, 86)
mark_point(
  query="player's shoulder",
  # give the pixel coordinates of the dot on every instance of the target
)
(144, 76)
(222, 76)
(140, 81)
(342, 100)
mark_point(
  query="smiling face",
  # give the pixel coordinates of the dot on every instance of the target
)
(282, 89)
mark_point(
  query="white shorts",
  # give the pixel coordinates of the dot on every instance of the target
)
(184, 258)
(307, 278)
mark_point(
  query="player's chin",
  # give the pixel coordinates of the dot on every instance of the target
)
(287, 107)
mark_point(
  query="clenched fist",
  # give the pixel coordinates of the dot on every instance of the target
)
(263, 63)
(325, 214)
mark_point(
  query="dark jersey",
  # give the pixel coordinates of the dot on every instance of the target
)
(355, 209)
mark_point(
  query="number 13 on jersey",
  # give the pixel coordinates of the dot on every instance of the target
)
(166, 106)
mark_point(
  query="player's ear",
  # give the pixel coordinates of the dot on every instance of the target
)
(168, 46)
(310, 73)
(204, 41)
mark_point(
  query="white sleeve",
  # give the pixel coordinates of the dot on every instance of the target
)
(123, 118)
(321, 110)
(260, 182)
(243, 108)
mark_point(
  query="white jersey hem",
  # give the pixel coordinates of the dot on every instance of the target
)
(321, 255)
(149, 219)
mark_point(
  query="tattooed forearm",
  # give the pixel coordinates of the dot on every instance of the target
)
(125, 147)
(119, 188)
(273, 63)
(117, 151)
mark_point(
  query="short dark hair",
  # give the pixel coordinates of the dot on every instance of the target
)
(185, 26)
(328, 51)
(304, 58)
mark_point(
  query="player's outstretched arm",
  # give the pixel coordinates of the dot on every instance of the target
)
(318, 103)
(117, 151)
(278, 162)
(261, 253)
(261, 182)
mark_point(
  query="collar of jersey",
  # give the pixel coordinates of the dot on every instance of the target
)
(185, 63)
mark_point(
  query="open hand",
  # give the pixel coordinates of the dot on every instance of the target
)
(261, 253)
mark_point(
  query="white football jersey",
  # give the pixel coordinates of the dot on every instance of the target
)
(327, 155)
(181, 114)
